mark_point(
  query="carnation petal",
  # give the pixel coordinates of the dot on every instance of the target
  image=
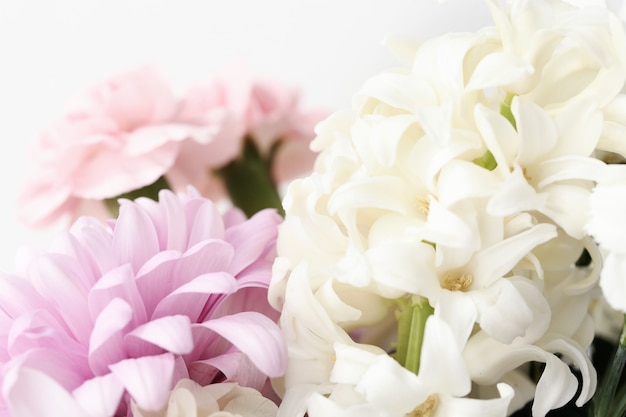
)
(124, 173)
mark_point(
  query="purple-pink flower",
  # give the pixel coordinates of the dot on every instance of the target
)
(169, 290)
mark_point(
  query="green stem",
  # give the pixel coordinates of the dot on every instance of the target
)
(412, 316)
(619, 408)
(505, 109)
(606, 392)
(150, 191)
(249, 182)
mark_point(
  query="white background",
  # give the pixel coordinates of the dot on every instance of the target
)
(51, 49)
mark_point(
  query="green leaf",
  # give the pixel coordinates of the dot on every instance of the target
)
(249, 182)
(486, 161)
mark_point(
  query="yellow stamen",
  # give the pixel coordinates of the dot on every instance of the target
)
(457, 282)
(423, 205)
(425, 409)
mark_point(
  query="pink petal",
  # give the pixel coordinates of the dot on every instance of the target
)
(293, 160)
(211, 255)
(237, 367)
(259, 274)
(147, 139)
(256, 336)
(191, 298)
(18, 296)
(172, 333)
(106, 343)
(206, 344)
(117, 283)
(68, 371)
(39, 329)
(123, 173)
(100, 396)
(252, 238)
(43, 202)
(245, 299)
(205, 222)
(95, 239)
(154, 279)
(148, 380)
(55, 276)
(173, 223)
(50, 397)
(134, 238)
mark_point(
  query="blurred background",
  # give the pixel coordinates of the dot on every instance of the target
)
(52, 49)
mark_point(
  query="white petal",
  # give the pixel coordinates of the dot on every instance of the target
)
(607, 223)
(612, 280)
(399, 90)
(508, 253)
(442, 367)
(537, 132)
(471, 407)
(388, 386)
(499, 136)
(436, 122)
(499, 69)
(514, 196)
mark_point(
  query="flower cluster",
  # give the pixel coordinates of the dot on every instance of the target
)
(447, 250)
(134, 128)
(433, 253)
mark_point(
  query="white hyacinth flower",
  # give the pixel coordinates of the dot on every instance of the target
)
(455, 195)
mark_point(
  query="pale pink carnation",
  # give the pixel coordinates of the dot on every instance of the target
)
(120, 135)
(119, 312)
(268, 113)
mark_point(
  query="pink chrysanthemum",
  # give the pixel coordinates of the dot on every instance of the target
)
(170, 290)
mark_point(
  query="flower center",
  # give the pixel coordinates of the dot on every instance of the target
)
(423, 205)
(456, 282)
(425, 409)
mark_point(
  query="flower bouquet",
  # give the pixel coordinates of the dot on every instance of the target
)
(452, 245)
